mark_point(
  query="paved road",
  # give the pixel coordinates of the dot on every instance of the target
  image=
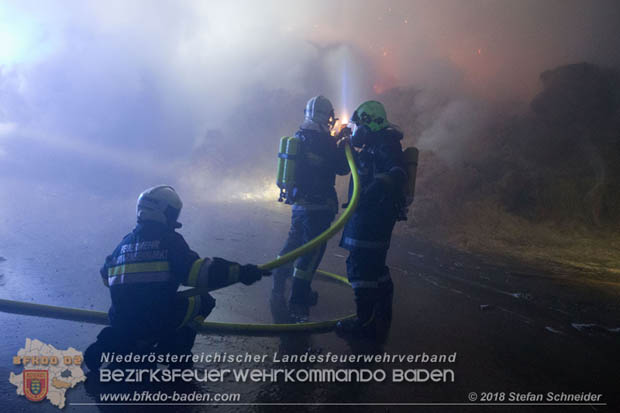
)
(513, 328)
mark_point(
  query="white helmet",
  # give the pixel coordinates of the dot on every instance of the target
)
(319, 110)
(160, 204)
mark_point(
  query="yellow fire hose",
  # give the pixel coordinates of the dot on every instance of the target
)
(329, 232)
(98, 317)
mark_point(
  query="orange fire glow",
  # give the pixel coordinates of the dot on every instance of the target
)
(340, 124)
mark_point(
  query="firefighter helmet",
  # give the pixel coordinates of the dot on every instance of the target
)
(320, 111)
(161, 204)
(372, 114)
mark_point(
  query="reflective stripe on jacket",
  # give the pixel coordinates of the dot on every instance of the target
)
(144, 272)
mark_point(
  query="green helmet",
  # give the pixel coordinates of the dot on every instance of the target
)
(372, 114)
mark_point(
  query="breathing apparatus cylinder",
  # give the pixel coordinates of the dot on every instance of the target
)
(287, 167)
(410, 156)
(281, 160)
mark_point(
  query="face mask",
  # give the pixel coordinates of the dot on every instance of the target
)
(360, 136)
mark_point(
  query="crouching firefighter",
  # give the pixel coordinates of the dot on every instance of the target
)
(307, 170)
(383, 175)
(143, 275)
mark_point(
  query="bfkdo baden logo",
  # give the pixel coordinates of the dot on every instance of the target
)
(47, 372)
(35, 384)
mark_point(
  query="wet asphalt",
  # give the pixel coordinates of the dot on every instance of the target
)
(514, 328)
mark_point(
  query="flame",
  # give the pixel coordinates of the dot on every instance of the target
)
(341, 123)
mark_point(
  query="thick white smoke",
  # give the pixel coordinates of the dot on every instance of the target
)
(146, 92)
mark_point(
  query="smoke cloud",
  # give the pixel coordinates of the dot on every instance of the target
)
(115, 96)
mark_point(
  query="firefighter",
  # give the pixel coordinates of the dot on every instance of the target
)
(314, 205)
(143, 275)
(367, 234)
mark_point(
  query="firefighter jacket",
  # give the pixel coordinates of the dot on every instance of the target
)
(383, 175)
(146, 269)
(320, 162)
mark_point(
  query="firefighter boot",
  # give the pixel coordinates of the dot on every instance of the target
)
(92, 356)
(364, 324)
(279, 282)
(278, 307)
(277, 302)
(385, 300)
(108, 339)
(302, 298)
(383, 315)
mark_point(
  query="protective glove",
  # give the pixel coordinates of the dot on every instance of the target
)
(344, 133)
(249, 274)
